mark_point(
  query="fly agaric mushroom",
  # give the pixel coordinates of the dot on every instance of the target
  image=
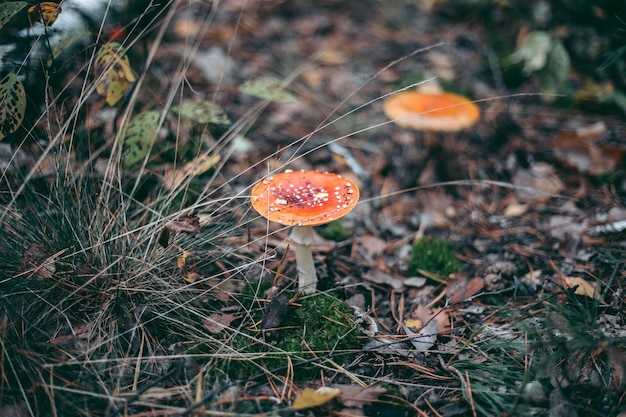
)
(304, 199)
(431, 112)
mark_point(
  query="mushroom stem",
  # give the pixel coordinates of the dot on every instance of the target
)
(302, 237)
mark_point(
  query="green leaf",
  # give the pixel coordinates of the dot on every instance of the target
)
(271, 89)
(553, 76)
(545, 55)
(139, 136)
(65, 43)
(10, 9)
(534, 51)
(202, 111)
(12, 104)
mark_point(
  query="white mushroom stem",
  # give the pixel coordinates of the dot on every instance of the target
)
(302, 237)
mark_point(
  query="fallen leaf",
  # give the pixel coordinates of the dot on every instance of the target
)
(202, 111)
(275, 312)
(371, 245)
(218, 322)
(269, 88)
(460, 287)
(426, 314)
(113, 72)
(579, 149)
(140, 134)
(515, 209)
(189, 271)
(379, 277)
(173, 178)
(188, 224)
(313, 398)
(583, 287)
(537, 184)
(425, 339)
(438, 208)
(415, 282)
(369, 325)
(64, 340)
(357, 397)
(164, 238)
(533, 279)
(414, 324)
(190, 277)
(45, 12)
(332, 57)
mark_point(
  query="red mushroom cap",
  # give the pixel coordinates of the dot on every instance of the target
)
(444, 112)
(304, 198)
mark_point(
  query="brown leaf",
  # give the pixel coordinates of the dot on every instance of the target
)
(218, 322)
(537, 184)
(426, 314)
(617, 357)
(579, 149)
(164, 238)
(460, 287)
(45, 12)
(276, 311)
(175, 177)
(357, 397)
(188, 224)
(64, 340)
(188, 270)
(372, 245)
(379, 277)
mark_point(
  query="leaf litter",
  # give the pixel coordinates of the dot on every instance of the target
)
(535, 314)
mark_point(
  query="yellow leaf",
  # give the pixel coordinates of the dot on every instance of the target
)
(181, 260)
(414, 323)
(313, 398)
(189, 271)
(515, 209)
(584, 287)
(113, 72)
(190, 277)
(45, 12)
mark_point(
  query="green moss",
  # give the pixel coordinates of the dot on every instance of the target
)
(435, 256)
(318, 326)
(335, 231)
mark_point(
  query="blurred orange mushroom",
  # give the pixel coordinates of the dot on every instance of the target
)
(431, 112)
(444, 112)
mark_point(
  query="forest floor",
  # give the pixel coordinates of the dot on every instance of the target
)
(484, 274)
